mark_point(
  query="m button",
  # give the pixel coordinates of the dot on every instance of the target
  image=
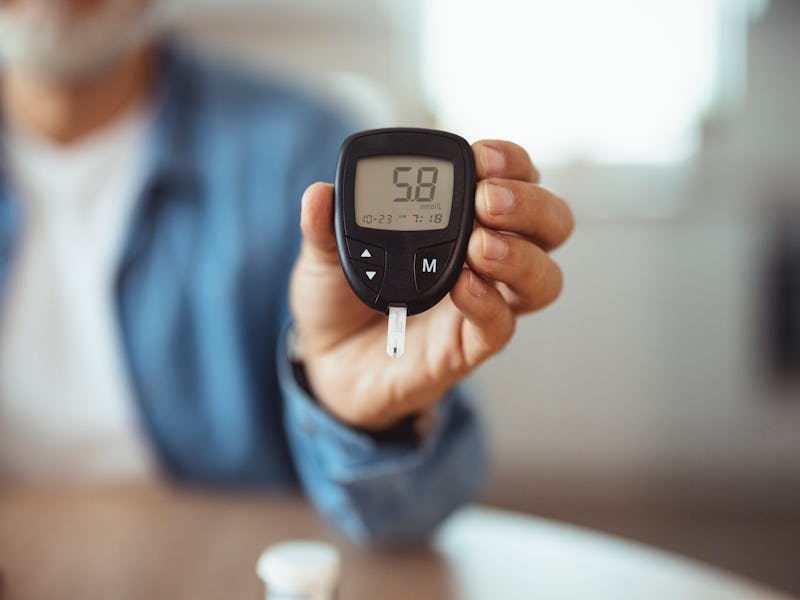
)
(429, 264)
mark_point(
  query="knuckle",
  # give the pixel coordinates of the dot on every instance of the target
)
(498, 331)
(568, 223)
(549, 289)
(535, 287)
(563, 224)
(557, 283)
(508, 329)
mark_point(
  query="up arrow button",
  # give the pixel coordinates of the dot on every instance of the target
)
(363, 252)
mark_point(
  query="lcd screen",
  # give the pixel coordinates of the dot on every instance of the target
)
(403, 192)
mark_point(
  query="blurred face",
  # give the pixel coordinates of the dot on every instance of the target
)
(71, 39)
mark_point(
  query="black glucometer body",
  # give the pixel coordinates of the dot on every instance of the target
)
(405, 204)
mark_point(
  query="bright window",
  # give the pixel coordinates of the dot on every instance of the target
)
(617, 81)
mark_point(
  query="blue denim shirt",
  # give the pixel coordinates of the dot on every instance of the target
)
(201, 295)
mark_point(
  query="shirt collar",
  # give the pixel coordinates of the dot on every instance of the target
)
(173, 167)
(9, 211)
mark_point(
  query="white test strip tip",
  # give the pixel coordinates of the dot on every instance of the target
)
(396, 334)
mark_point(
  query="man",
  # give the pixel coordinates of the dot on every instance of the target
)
(148, 233)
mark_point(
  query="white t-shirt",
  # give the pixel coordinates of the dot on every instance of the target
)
(67, 411)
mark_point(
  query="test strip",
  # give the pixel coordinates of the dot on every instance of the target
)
(396, 334)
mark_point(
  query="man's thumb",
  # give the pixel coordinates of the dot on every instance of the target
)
(316, 221)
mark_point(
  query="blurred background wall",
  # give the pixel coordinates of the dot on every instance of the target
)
(659, 398)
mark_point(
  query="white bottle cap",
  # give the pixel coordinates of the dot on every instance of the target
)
(302, 568)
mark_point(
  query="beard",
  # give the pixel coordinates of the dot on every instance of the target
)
(44, 39)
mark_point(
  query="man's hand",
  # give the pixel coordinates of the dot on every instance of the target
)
(509, 273)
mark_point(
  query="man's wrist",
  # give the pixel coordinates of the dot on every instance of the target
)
(409, 429)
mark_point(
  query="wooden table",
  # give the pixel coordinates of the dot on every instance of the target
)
(154, 543)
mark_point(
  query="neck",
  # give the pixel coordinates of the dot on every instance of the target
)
(64, 111)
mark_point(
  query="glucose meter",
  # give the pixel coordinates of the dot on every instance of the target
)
(404, 208)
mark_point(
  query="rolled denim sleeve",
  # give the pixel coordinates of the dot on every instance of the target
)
(380, 491)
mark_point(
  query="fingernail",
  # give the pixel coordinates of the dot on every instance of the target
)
(499, 199)
(494, 247)
(493, 160)
(477, 287)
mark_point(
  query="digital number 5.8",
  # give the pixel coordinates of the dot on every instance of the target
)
(425, 189)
